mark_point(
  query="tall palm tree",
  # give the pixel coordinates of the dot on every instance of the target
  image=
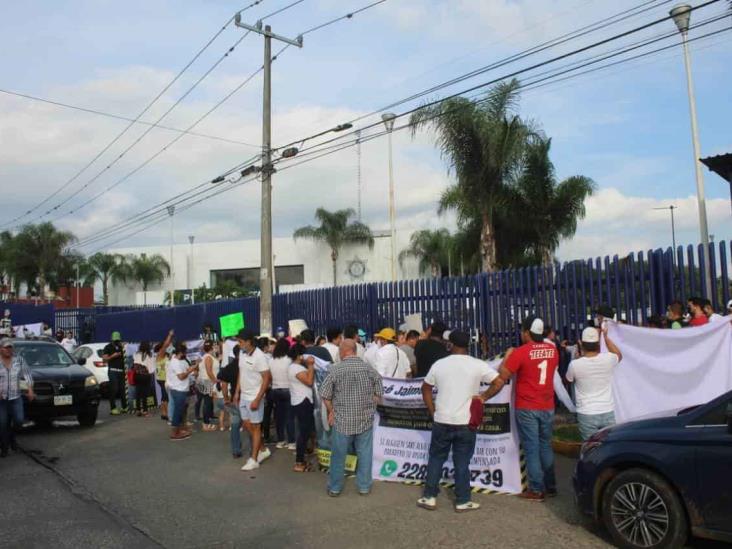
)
(549, 208)
(483, 144)
(336, 231)
(146, 270)
(431, 248)
(106, 268)
(7, 263)
(38, 249)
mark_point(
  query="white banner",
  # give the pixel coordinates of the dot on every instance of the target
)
(666, 370)
(402, 436)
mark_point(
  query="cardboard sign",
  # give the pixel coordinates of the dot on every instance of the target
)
(231, 324)
(297, 326)
(414, 322)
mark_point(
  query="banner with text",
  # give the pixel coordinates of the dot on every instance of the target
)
(402, 436)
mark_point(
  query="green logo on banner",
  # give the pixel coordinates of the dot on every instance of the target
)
(389, 468)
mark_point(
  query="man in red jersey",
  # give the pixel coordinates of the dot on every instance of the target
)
(534, 364)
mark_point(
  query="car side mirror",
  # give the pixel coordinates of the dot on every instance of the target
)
(729, 418)
(81, 361)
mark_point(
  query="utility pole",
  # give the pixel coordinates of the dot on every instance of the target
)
(266, 275)
(171, 213)
(673, 225)
(191, 238)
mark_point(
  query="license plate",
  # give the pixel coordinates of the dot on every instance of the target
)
(62, 400)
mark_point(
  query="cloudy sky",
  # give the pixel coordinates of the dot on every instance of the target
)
(627, 127)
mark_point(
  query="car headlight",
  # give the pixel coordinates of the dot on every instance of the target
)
(90, 381)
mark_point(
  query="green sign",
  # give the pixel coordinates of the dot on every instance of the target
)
(231, 324)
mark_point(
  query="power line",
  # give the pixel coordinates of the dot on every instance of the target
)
(125, 118)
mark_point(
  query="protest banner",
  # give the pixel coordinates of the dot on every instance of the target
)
(297, 326)
(231, 324)
(402, 439)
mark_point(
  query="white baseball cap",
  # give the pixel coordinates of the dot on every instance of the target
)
(537, 327)
(729, 304)
(590, 335)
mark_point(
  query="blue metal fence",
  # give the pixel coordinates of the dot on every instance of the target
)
(28, 313)
(636, 286)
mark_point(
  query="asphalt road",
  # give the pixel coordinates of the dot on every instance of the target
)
(124, 484)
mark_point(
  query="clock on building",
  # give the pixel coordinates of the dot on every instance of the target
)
(356, 268)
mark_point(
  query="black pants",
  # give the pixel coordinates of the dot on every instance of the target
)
(305, 426)
(117, 389)
(208, 411)
(142, 392)
(284, 416)
(267, 421)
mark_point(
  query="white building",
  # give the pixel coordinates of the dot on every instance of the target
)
(298, 264)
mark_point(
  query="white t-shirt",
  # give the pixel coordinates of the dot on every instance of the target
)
(360, 350)
(298, 390)
(227, 350)
(334, 351)
(593, 387)
(279, 367)
(457, 379)
(68, 343)
(715, 317)
(177, 366)
(391, 361)
(251, 368)
(369, 354)
(148, 361)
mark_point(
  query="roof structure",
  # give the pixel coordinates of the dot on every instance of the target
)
(720, 164)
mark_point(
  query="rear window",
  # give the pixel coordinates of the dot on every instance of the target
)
(43, 356)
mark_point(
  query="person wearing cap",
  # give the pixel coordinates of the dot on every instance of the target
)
(254, 379)
(390, 360)
(13, 370)
(430, 350)
(592, 375)
(457, 379)
(534, 364)
(113, 355)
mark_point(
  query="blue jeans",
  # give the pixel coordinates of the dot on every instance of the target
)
(535, 431)
(234, 434)
(364, 443)
(178, 401)
(11, 416)
(589, 424)
(462, 442)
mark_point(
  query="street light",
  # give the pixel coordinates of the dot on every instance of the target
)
(171, 213)
(673, 225)
(681, 15)
(389, 118)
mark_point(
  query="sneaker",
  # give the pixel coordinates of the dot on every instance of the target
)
(292, 446)
(333, 494)
(280, 445)
(263, 454)
(532, 496)
(115, 412)
(427, 503)
(250, 465)
(469, 506)
(180, 436)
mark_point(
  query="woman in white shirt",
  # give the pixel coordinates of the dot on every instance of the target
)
(284, 416)
(301, 375)
(206, 384)
(179, 370)
(144, 376)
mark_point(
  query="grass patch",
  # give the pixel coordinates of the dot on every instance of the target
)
(567, 433)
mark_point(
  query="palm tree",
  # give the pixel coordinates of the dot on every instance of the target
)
(549, 209)
(38, 249)
(483, 143)
(7, 264)
(431, 248)
(106, 267)
(146, 270)
(336, 231)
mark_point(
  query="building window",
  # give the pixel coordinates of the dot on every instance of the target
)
(249, 278)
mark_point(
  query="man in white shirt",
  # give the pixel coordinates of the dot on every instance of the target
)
(592, 375)
(69, 343)
(335, 336)
(389, 360)
(254, 379)
(457, 379)
(353, 332)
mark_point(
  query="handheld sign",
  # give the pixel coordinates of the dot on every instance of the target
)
(231, 324)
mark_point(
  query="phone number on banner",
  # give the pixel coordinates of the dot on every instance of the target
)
(486, 477)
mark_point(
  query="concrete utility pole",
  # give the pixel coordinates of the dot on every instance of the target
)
(191, 238)
(266, 274)
(171, 213)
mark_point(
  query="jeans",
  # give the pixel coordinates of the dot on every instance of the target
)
(284, 416)
(117, 389)
(11, 417)
(535, 431)
(305, 427)
(234, 434)
(589, 424)
(462, 442)
(178, 401)
(340, 444)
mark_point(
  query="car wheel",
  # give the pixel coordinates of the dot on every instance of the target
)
(641, 510)
(88, 417)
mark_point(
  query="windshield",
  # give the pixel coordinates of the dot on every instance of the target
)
(39, 355)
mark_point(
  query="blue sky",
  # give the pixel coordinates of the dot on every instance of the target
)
(627, 127)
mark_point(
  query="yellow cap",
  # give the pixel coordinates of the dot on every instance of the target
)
(387, 333)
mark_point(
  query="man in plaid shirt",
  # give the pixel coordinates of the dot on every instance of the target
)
(350, 393)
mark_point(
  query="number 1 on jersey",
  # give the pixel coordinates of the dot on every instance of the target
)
(542, 367)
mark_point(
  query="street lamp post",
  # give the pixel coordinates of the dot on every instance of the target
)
(191, 238)
(681, 15)
(673, 224)
(171, 213)
(388, 119)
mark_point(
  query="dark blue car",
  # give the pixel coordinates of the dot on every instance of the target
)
(653, 482)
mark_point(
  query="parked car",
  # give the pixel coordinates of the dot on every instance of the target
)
(62, 387)
(655, 481)
(91, 354)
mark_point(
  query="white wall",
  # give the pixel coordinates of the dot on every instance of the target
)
(242, 254)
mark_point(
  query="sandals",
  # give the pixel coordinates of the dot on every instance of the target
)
(302, 468)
